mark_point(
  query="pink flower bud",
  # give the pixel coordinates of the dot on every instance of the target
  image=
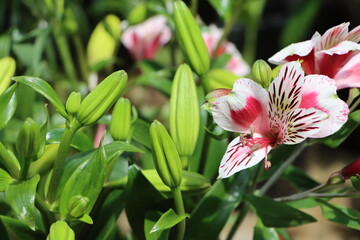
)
(353, 169)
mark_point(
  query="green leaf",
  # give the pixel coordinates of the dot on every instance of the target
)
(277, 214)
(150, 220)
(214, 209)
(8, 103)
(141, 132)
(339, 214)
(141, 198)
(159, 80)
(86, 219)
(5, 180)
(299, 178)
(303, 203)
(43, 131)
(45, 90)
(86, 180)
(340, 136)
(223, 7)
(168, 220)
(21, 197)
(263, 233)
(17, 230)
(80, 140)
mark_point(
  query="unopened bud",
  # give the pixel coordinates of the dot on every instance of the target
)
(212, 96)
(28, 142)
(121, 119)
(218, 78)
(103, 42)
(98, 101)
(355, 181)
(7, 70)
(138, 14)
(166, 157)
(73, 103)
(262, 73)
(184, 109)
(353, 169)
(77, 206)
(190, 39)
(60, 231)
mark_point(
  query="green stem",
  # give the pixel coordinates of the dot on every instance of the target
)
(194, 7)
(8, 161)
(84, 69)
(64, 51)
(353, 106)
(59, 163)
(281, 169)
(25, 168)
(243, 212)
(43, 207)
(180, 210)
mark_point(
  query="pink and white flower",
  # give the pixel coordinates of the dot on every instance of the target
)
(144, 39)
(236, 63)
(294, 108)
(334, 54)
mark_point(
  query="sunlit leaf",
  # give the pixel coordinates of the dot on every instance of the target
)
(168, 220)
(8, 105)
(150, 220)
(5, 180)
(21, 197)
(45, 90)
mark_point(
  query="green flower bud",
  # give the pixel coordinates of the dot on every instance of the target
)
(211, 97)
(73, 103)
(60, 231)
(218, 78)
(77, 206)
(166, 157)
(7, 70)
(184, 112)
(121, 120)
(98, 101)
(262, 73)
(28, 142)
(137, 14)
(103, 42)
(355, 181)
(190, 39)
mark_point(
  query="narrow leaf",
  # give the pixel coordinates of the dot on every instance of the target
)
(45, 90)
(151, 218)
(168, 220)
(5, 180)
(339, 214)
(277, 214)
(8, 103)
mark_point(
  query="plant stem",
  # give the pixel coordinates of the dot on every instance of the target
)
(180, 210)
(194, 7)
(47, 216)
(281, 169)
(25, 168)
(243, 212)
(81, 57)
(65, 54)
(8, 161)
(353, 106)
(59, 163)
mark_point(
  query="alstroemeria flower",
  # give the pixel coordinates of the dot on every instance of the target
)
(236, 63)
(292, 109)
(144, 39)
(334, 54)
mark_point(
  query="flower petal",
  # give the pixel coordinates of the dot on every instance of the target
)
(236, 64)
(239, 156)
(319, 92)
(284, 94)
(241, 108)
(349, 75)
(332, 37)
(301, 124)
(292, 52)
(354, 35)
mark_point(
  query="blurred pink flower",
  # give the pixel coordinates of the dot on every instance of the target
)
(144, 39)
(334, 54)
(236, 63)
(292, 109)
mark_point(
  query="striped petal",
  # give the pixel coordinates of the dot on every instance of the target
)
(332, 37)
(301, 124)
(319, 92)
(292, 52)
(245, 106)
(284, 94)
(241, 155)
